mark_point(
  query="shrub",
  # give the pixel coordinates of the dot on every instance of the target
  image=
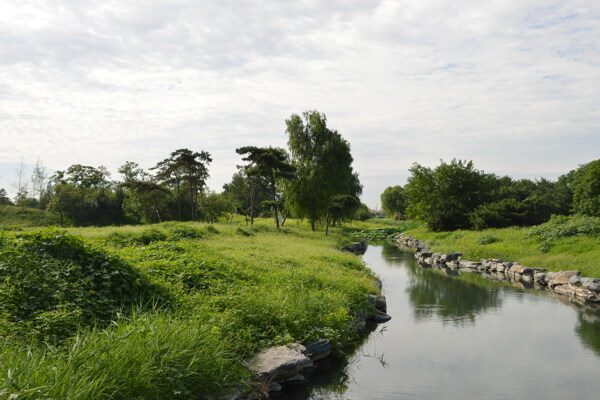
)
(561, 226)
(54, 283)
(488, 239)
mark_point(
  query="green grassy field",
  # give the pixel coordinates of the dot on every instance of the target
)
(208, 298)
(16, 217)
(556, 246)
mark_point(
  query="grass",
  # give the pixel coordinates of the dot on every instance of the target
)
(581, 252)
(12, 217)
(224, 294)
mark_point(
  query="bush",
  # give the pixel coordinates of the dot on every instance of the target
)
(53, 283)
(488, 239)
(561, 226)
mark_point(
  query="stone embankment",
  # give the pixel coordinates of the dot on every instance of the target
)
(570, 283)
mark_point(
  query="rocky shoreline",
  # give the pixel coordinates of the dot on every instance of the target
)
(579, 289)
(280, 366)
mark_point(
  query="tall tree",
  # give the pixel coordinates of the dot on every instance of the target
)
(324, 166)
(272, 164)
(393, 202)
(586, 189)
(185, 169)
(39, 179)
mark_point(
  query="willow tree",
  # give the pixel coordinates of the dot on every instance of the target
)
(273, 165)
(324, 167)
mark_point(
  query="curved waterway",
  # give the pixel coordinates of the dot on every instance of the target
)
(464, 338)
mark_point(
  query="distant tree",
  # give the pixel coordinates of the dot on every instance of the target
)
(362, 213)
(393, 202)
(217, 205)
(247, 193)
(65, 200)
(343, 206)
(324, 167)
(143, 199)
(21, 186)
(4, 199)
(39, 178)
(273, 165)
(443, 197)
(185, 170)
(586, 189)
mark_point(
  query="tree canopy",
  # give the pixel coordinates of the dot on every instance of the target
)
(324, 167)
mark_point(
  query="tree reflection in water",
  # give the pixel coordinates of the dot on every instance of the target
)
(452, 298)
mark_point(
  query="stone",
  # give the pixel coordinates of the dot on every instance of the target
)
(563, 277)
(356, 248)
(378, 302)
(274, 388)
(450, 257)
(469, 264)
(296, 379)
(281, 362)
(379, 317)
(318, 350)
(520, 269)
(539, 277)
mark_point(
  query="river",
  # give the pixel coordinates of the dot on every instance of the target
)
(464, 338)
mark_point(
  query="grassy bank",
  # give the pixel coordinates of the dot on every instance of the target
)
(200, 299)
(12, 217)
(561, 244)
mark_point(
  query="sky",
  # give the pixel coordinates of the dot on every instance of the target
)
(513, 86)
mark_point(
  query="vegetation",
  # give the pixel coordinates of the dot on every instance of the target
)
(455, 195)
(393, 202)
(168, 310)
(563, 243)
(324, 167)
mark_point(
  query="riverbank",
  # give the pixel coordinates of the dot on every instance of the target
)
(559, 245)
(213, 295)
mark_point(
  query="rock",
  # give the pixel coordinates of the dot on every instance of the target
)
(356, 248)
(520, 269)
(563, 277)
(318, 350)
(296, 379)
(379, 317)
(592, 284)
(378, 302)
(539, 277)
(424, 254)
(281, 362)
(469, 264)
(274, 388)
(450, 257)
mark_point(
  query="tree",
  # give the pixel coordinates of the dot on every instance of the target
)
(271, 164)
(343, 206)
(443, 197)
(247, 193)
(393, 202)
(185, 169)
(586, 189)
(324, 167)
(39, 179)
(4, 199)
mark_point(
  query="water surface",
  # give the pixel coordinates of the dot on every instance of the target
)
(465, 338)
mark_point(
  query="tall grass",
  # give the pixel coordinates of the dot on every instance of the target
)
(230, 295)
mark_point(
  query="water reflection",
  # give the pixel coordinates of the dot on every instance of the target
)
(438, 293)
(464, 338)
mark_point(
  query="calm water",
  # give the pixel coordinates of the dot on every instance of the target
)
(465, 338)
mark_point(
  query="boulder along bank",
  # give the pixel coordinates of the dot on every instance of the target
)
(579, 289)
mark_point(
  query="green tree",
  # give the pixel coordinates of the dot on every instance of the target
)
(343, 206)
(324, 167)
(586, 189)
(273, 165)
(185, 170)
(39, 179)
(443, 197)
(393, 202)
(4, 199)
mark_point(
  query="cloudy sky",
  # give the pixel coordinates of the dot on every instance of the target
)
(512, 85)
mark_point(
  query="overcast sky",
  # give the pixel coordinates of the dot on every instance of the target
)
(512, 85)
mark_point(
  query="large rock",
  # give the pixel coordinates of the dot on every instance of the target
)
(318, 350)
(563, 277)
(378, 302)
(450, 257)
(280, 363)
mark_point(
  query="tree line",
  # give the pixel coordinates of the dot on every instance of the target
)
(313, 179)
(455, 195)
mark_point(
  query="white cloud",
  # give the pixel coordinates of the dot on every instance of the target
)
(513, 85)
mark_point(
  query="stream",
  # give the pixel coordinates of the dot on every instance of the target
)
(464, 338)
